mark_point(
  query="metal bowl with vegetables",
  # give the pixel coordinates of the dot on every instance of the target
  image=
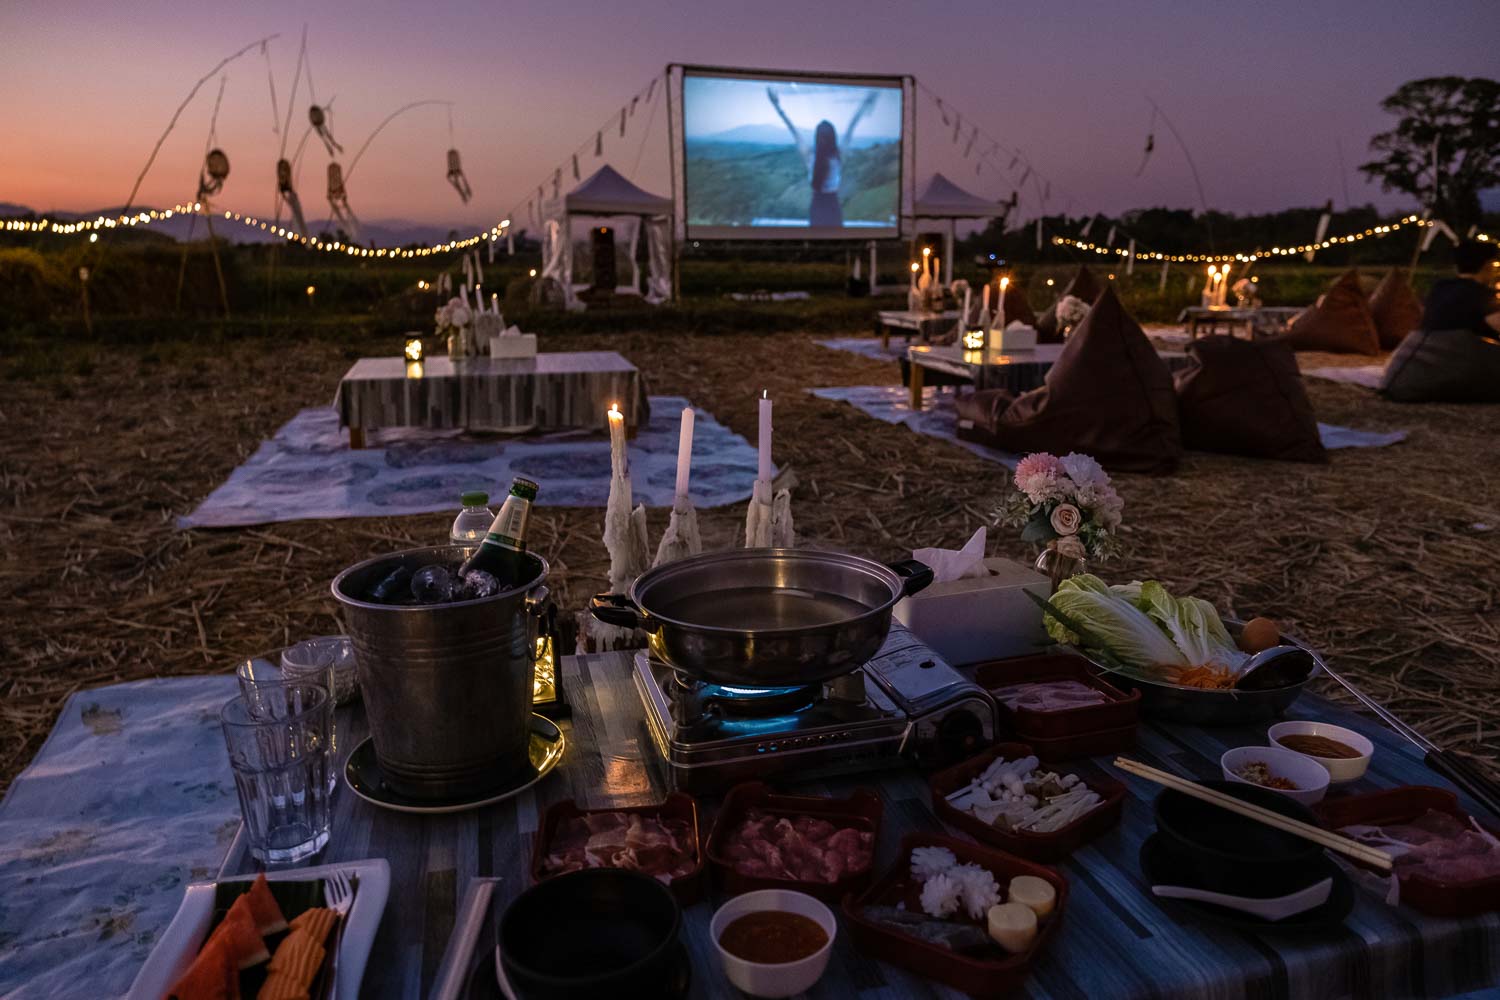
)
(1189, 664)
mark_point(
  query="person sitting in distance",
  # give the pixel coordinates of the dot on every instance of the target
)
(1465, 302)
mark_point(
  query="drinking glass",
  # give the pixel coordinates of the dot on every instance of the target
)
(313, 661)
(279, 739)
(324, 659)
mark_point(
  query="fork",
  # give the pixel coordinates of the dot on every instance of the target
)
(338, 893)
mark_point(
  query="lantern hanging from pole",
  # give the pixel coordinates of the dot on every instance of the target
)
(338, 202)
(211, 178)
(456, 177)
(320, 119)
(288, 194)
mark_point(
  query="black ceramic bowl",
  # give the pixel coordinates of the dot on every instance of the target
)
(1222, 851)
(603, 932)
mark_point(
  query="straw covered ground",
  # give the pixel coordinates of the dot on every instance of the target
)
(1386, 558)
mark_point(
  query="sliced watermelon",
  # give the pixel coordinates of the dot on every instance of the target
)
(212, 976)
(268, 917)
(237, 930)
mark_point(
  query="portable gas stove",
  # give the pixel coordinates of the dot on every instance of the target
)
(904, 704)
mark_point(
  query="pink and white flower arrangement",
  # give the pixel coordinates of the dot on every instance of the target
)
(1067, 504)
(1071, 311)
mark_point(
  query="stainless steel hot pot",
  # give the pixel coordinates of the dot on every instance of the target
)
(765, 617)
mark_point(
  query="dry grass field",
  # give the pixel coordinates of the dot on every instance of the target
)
(1385, 558)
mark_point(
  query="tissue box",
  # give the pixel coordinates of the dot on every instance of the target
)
(1018, 337)
(982, 618)
(514, 346)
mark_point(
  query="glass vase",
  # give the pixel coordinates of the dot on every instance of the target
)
(1057, 567)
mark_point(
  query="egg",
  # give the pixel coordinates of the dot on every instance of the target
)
(1035, 893)
(1013, 926)
(1259, 634)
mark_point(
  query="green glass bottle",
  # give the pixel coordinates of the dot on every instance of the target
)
(502, 554)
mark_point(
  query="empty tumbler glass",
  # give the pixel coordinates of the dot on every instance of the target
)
(279, 737)
(301, 665)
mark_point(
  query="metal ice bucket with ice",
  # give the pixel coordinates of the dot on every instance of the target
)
(447, 687)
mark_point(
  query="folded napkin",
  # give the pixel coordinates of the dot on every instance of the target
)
(948, 564)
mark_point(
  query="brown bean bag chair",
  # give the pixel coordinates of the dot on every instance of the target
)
(1016, 306)
(1245, 397)
(1108, 395)
(1395, 307)
(1443, 366)
(1339, 322)
(1083, 286)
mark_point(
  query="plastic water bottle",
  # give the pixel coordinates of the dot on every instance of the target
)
(471, 524)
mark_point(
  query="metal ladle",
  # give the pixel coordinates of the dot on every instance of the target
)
(1277, 667)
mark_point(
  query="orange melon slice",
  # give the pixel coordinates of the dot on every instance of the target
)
(212, 976)
(263, 907)
(239, 935)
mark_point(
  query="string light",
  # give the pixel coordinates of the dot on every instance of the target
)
(1375, 232)
(146, 217)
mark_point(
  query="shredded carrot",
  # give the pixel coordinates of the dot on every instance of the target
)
(1206, 677)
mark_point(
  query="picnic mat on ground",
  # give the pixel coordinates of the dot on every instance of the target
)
(937, 418)
(129, 799)
(868, 347)
(1363, 375)
(308, 471)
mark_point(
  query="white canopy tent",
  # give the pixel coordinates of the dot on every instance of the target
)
(944, 200)
(607, 195)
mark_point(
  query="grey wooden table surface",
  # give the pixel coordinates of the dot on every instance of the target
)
(562, 390)
(1115, 940)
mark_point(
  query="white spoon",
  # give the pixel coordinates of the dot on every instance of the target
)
(1275, 908)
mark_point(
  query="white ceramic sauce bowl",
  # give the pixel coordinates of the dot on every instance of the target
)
(1304, 772)
(782, 979)
(1340, 769)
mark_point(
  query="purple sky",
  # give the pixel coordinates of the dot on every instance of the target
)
(1263, 93)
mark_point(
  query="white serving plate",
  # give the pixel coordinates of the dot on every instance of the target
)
(180, 942)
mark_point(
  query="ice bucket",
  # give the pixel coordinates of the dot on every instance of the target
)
(447, 687)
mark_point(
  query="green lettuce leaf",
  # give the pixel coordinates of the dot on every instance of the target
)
(1128, 634)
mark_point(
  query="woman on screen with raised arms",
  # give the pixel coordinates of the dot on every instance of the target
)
(824, 162)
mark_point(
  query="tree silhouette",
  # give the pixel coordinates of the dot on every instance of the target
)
(1445, 148)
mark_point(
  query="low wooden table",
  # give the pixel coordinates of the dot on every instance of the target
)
(924, 324)
(1016, 371)
(1254, 321)
(550, 392)
(1115, 940)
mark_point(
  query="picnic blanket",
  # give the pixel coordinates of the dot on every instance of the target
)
(937, 418)
(307, 471)
(1367, 376)
(130, 798)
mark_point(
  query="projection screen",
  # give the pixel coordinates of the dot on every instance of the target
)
(787, 156)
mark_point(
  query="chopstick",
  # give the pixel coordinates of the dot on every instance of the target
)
(1481, 788)
(1323, 838)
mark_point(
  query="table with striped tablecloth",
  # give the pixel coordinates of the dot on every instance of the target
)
(1014, 371)
(556, 391)
(1115, 940)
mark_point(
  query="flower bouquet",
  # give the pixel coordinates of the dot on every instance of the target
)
(1067, 506)
(455, 321)
(1071, 311)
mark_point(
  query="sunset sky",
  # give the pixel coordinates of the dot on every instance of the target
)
(1265, 94)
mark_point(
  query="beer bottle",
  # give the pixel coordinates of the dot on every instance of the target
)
(502, 554)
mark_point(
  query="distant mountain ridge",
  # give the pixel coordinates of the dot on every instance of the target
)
(381, 232)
